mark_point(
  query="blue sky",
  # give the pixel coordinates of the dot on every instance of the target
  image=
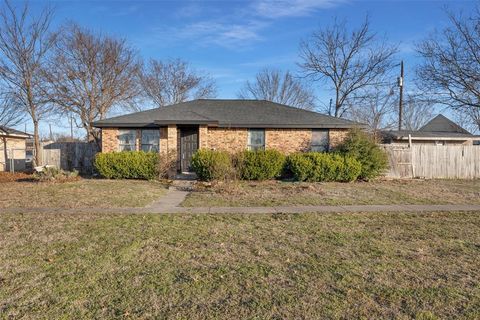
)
(232, 40)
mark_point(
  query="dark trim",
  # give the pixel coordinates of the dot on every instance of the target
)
(125, 125)
(187, 122)
(158, 124)
(291, 126)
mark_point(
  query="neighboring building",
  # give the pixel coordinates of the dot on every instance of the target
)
(231, 125)
(12, 149)
(438, 131)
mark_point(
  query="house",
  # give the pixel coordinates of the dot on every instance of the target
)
(231, 125)
(13, 149)
(438, 131)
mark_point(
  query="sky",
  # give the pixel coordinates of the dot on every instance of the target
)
(233, 40)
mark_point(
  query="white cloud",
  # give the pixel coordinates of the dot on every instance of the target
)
(229, 35)
(291, 8)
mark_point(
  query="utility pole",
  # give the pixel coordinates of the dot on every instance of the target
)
(51, 134)
(400, 100)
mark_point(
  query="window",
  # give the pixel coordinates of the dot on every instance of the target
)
(150, 140)
(256, 139)
(320, 140)
(127, 140)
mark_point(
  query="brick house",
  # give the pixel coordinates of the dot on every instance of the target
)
(231, 125)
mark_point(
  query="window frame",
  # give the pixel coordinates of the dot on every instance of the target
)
(121, 146)
(153, 145)
(254, 146)
(325, 146)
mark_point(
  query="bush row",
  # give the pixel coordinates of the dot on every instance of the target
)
(317, 167)
(270, 164)
(247, 165)
(128, 165)
(359, 157)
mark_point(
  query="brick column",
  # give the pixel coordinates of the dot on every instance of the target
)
(109, 139)
(203, 137)
(172, 138)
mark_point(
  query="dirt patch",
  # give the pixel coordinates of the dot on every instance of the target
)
(15, 177)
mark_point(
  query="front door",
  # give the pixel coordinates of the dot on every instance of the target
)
(188, 146)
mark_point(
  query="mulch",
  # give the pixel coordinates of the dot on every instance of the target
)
(15, 177)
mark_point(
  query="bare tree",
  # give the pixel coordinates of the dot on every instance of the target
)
(174, 81)
(349, 61)
(25, 42)
(274, 85)
(11, 113)
(89, 74)
(417, 111)
(375, 108)
(450, 71)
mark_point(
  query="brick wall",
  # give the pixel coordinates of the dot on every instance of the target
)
(288, 140)
(336, 137)
(228, 139)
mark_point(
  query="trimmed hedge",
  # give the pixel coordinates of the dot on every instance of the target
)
(212, 165)
(128, 165)
(362, 146)
(319, 167)
(260, 165)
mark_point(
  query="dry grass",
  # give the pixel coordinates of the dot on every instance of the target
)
(85, 193)
(303, 266)
(276, 193)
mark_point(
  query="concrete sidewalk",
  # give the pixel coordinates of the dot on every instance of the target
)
(170, 206)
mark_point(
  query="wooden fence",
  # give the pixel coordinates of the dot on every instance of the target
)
(430, 161)
(69, 155)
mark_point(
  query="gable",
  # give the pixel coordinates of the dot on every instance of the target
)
(442, 124)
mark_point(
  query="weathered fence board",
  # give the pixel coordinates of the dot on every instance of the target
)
(430, 161)
(69, 155)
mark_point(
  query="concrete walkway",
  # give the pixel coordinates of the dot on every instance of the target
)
(168, 205)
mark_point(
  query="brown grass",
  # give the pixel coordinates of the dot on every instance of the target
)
(276, 193)
(85, 193)
(282, 266)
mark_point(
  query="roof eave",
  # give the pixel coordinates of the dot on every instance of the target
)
(187, 122)
(437, 138)
(290, 126)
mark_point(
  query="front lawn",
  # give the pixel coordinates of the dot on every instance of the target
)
(276, 193)
(84, 193)
(303, 266)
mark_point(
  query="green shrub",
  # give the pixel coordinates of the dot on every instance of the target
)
(362, 146)
(212, 165)
(127, 165)
(319, 167)
(260, 165)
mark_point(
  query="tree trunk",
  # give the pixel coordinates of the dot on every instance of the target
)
(37, 161)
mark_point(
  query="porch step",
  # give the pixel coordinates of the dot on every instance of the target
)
(186, 176)
(183, 185)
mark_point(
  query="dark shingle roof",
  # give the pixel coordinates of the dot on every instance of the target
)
(10, 131)
(442, 124)
(229, 113)
(438, 127)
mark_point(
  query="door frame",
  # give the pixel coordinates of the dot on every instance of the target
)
(182, 129)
